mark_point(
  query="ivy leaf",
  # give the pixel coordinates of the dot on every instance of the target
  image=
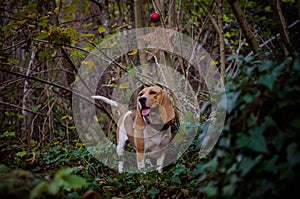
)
(232, 98)
(247, 164)
(293, 154)
(139, 189)
(268, 80)
(38, 190)
(73, 181)
(153, 192)
(54, 186)
(256, 142)
(296, 65)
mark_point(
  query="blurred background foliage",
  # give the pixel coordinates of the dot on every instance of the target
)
(43, 44)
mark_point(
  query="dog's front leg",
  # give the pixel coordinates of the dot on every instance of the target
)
(140, 148)
(160, 161)
(121, 148)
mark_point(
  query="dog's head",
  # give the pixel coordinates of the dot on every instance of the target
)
(153, 100)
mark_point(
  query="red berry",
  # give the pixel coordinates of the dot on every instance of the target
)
(155, 17)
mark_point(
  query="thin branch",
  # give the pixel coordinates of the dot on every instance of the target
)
(14, 46)
(21, 108)
(52, 84)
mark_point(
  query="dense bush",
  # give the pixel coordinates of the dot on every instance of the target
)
(258, 154)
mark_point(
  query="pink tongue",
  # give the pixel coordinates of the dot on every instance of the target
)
(145, 112)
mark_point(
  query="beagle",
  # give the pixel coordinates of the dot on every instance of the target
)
(148, 128)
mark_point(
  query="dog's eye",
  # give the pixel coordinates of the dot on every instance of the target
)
(141, 94)
(152, 92)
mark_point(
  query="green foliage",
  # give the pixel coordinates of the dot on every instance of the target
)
(63, 180)
(258, 154)
(23, 184)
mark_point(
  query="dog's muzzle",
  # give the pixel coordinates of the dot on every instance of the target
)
(145, 110)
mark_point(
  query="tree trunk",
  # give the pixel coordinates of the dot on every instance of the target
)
(138, 14)
(280, 21)
(245, 26)
(221, 38)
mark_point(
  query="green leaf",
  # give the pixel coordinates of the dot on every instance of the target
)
(12, 61)
(36, 108)
(268, 9)
(67, 18)
(69, 9)
(293, 154)
(247, 164)
(87, 25)
(296, 64)
(139, 189)
(38, 190)
(189, 116)
(73, 181)
(43, 23)
(270, 165)
(30, 8)
(21, 154)
(176, 179)
(124, 85)
(268, 80)
(258, 141)
(87, 35)
(178, 138)
(227, 34)
(132, 72)
(232, 98)
(229, 189)
(101, 29)
(210, 189)
(54, 186)
(288, 1)
(3, 169)
(64, 172)
(153, 192)
(8, 134)
(186, 192)
(42, 35)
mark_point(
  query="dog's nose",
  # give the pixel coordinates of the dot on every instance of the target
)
(142, 99)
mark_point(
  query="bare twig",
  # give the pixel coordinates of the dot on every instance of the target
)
(14, 46)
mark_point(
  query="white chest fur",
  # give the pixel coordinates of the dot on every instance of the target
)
(156, 141)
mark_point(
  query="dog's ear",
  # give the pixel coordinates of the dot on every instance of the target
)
(139, 123)
(166, 110)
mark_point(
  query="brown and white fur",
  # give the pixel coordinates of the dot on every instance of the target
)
(148, 128)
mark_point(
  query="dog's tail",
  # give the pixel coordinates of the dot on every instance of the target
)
(113, 103)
